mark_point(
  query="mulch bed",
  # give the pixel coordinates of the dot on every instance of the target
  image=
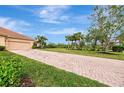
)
(26, 82)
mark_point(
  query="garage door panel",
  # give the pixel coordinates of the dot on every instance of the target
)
(19, 45)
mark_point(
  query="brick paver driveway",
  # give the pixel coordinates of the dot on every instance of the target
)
(107, 71)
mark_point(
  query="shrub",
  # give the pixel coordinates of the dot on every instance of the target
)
(122, 43)
(60, 45)
(10, 71)
(98, 48)
(117, 48)
(2, 48)
(51, 45)
(34, 47)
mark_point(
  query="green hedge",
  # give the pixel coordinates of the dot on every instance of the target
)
(34, 47)
(61, 45)
(118, 48)
(2, 48)
(51, 45)
(10, 71)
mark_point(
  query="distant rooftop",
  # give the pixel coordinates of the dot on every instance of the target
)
(11, 34)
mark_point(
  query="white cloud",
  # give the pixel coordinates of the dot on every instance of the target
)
(65, 31)
(23, 8)
(15, 25)
(81, 19)
(53, 14)
(3, 20)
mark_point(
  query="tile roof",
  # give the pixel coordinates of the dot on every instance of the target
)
(11, 34)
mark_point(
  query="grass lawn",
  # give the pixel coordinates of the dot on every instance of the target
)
(45, 75)
(111, 55)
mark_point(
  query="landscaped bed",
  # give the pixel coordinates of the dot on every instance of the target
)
(111, 55)
(36, 73)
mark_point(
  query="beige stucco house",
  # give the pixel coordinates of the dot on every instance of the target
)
(12, 40)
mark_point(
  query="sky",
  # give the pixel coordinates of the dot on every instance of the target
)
(53, 22)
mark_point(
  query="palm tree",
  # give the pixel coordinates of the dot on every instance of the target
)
(77, 37)
(73, 39)
(41, 41)
(70, 38)
(82, 41)
(67, 39)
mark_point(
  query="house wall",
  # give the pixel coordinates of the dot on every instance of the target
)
(2, 41)
(12, 43)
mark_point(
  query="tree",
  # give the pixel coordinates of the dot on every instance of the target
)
(96, 31)
(114, 23)
(41, 41)
(75, 40)
(68, 39)
(95, 37)
(82, 41)
(107, 22)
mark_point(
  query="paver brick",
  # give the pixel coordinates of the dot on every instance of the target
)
(108, 71)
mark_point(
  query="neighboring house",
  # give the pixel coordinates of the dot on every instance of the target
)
(13, 40)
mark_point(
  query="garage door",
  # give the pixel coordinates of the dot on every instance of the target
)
(19, 45)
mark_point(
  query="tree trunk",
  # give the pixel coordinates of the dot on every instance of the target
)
(94, 46)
